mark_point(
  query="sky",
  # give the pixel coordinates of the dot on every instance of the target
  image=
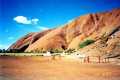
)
(20, 17)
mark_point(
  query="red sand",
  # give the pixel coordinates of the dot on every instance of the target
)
(44, 68)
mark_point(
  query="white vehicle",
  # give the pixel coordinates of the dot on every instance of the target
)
(48, 54)
(44, 54)
(80, 56)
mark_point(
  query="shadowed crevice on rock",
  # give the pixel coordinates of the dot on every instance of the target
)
(63, 47)
(115, 31)
(34, 40)
(24, 48)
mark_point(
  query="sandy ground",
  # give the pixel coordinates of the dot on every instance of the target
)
(44, 68)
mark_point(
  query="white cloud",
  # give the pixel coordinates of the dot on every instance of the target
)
(35, 21)
(4, 46)
(25, 20)
(41, 28)
(22, 19)
(6, 30)
(10, 38)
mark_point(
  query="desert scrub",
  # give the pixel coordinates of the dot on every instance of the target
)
(85, 43)
(37, 51)
(43, 52)
(103, 37)
(70, 50)
(55, 51)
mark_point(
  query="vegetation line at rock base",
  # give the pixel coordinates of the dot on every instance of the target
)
(15, 52)
(56, 51)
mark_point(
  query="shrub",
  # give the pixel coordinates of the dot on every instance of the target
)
(60, 51)
(37, 51)
(103, 37)
(43, 51)
(85, 43)
(70, 50)
(55, 51)
(32, 51)
(49, 51)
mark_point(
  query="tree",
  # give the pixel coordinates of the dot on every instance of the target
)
(3, 50)
(0, 51)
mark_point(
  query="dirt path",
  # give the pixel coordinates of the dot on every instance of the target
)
(44, 68)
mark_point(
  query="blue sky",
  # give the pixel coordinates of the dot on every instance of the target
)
(20, 17)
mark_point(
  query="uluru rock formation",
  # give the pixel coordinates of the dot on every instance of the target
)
(91, 26)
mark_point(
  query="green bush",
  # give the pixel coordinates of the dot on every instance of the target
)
(103, 37)
(43, 51)
(55, 51)
(70, 50)
(37, 51)
(60, 51)
(85, 43)
(49, 51)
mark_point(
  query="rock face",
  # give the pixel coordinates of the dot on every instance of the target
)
(28, 39)
(90, 26)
